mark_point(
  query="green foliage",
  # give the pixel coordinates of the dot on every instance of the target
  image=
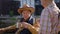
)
(13, 18)
(11, 13)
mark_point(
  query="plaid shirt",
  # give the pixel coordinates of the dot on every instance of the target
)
(49, 20)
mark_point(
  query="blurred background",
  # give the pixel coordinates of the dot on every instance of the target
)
(8, 10)
(9, 14)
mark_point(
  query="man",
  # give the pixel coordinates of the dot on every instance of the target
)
(49, 17)
(26, 23)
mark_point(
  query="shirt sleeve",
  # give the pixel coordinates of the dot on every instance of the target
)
(44, 19)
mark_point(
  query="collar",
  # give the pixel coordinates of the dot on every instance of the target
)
(29, 18)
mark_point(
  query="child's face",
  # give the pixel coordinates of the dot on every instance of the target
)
(26, 14)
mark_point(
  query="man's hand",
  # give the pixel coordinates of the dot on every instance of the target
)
(25, 25)
(20, 25)
(2, 30)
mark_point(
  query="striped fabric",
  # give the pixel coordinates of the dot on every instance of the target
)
(49, 20)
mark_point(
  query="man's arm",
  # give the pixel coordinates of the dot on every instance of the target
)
(44, 21)
(13, 27)
(35, 28)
